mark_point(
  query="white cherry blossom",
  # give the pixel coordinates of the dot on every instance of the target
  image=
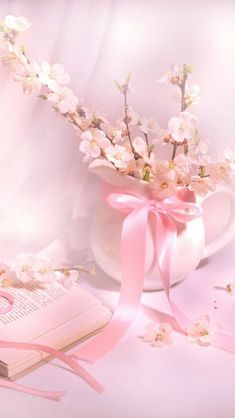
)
(53, 75)
(229, 155)
(147, 125)
(201, 330)
(24, 267)
(68, 278)
(201, 185)
(183, 127)
(158, 335)
(28, 75)
(12, 55)
(92, 144)
(17, 24)
(118, 155)
(64, 99)
(43, 269)
(6, 272)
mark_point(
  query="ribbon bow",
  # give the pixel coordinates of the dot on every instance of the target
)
(133, 252)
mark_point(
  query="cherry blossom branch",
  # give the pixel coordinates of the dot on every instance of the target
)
(193, 169)
(125, 89)
(183, 103)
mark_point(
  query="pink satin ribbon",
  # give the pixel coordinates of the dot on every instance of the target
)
(80, 371)
(133, 250)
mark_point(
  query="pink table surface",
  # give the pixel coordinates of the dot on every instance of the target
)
(183, 380)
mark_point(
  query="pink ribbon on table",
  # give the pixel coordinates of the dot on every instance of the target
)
(80, 371)
(133, 251)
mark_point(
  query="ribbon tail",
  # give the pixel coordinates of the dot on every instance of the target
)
(133, 262)
(54, 396)
(166, 236)
(80, 371)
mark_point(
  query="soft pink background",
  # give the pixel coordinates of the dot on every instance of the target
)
(43, 184)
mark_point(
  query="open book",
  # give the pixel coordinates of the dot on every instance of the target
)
(49, 315)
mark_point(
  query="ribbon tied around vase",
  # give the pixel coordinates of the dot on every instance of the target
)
(133, 252)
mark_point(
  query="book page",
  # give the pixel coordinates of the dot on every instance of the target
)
(39, 309)
(29, 299)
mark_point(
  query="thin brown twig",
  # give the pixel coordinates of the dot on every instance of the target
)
(183, 105)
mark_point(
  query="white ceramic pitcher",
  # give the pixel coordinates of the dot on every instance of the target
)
(196, 240)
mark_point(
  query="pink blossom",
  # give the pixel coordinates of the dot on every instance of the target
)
(183, 127)
(43, 269)
(6, 272)
(133, 118)
(198, 146)
(165, 181)
(64, 99)
(140, 146)
(147, 125)
(201, 330)
(92, 144)
(28, 74)
(24, 267)
(229, 155)
(118, 155)
(201, 185)
(124, 85)
(116, 134)
(52, 75)
(191, 95)
(12, 55)
(68, 278)
(17, 24)
(220, 172)
(173, 75)
(158, 336)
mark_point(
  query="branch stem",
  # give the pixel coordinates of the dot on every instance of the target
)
(183, 104)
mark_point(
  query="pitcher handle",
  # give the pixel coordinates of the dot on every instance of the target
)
(227, 234)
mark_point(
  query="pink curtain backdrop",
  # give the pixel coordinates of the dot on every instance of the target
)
(46, 194)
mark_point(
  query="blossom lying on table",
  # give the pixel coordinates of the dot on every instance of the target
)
(158, 335)
(132, 144)
(38, 268)
(201, 330)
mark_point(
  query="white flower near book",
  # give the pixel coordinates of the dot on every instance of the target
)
(158, 336)
(92, 144)
(28, 75)
(44, 270)
(17, 24)
(183, 127)
(24, 267)
(53, 75)
(6, 272)
(68, 278)
(64, 99)
(201, 330)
